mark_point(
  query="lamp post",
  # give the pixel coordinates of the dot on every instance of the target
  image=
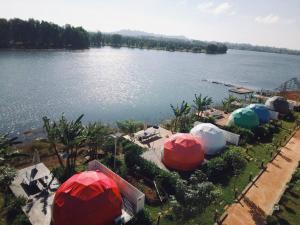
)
(116, 136)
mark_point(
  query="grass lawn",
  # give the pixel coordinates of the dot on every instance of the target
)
(2, 210)
(289, 205)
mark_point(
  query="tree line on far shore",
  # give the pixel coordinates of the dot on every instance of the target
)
(17, 33)
(34, 34)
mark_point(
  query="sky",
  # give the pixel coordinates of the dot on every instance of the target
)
(261, 22)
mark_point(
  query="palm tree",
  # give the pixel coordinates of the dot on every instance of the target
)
(96, 134)
(52, 133)
(200, 103)
(7, 152)
(71, 135)
(183, 110)
(227, 102)
(68, 133)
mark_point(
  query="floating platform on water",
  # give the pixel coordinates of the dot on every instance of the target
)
(241, 90)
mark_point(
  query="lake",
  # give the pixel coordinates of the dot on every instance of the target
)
(109, 84)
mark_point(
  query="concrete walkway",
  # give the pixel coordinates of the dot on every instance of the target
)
(260, 199)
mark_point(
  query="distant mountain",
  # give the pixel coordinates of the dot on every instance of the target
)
(137, 33)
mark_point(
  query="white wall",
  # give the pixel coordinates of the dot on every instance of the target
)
(131, 193)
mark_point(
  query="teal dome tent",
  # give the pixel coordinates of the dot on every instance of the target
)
(243, 117)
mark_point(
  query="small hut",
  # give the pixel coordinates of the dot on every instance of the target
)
(87, 198)
(183, 152)
(243, 117)
(211, 136)
(278, 104)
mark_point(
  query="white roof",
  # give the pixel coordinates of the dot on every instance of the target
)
(211, 137)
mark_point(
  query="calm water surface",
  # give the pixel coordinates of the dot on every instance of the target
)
(114, 84)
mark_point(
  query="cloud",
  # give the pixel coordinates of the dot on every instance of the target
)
(222, 8)
(212, 8)
(205, 6)
(269, 19)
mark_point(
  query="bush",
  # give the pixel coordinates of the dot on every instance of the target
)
(143, 217)
(215, 168)
(234, 160)
(246, 136)
(136, 163)
(231, 162)
(168, 181)
(271, 220)
(21, 219)
(14, 207)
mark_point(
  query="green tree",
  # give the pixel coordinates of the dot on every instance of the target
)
(200, 104)
(179, 112)
(52, 135)
(96, 134)
(227, 103)
(71, 135)
(116, 40)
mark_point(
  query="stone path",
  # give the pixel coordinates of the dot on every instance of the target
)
(260, 199)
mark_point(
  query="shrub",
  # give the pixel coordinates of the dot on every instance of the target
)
(143, 217)
(218, 168)
(194, 198)
(271, 220)
(246, 136)
(234, 160)
(136, 163)
(21, 219)
(215, 168)
(14, 206)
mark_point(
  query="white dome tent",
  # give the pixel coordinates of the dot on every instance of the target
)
(211, 136)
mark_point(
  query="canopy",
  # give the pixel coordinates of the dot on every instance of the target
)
(244, 118)
(278, 104)
(261, 111)
(183, 152)
(87, 198)
(211, 136)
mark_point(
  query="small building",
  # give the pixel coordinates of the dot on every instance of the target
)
(261, 111)
(88, 197)
(183, 152)
(211, 136)
(243, 117)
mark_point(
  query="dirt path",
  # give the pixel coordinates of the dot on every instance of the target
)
(266, 192)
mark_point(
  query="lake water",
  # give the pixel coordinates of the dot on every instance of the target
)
(110, 84)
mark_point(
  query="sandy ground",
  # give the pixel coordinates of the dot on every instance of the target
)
(260, 199)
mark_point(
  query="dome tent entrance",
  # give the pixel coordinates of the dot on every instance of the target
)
(211, 136)
(261, 111)
(244, 118)
(87, 198)
(183, 152)
(278, 104)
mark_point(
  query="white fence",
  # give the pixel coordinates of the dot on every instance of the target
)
(273, 115)
(231, 137)
(131, 193)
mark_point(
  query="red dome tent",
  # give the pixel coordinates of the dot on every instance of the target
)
(183, 152)
(87, 198)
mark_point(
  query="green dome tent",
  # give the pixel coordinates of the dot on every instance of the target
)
(244, 118)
